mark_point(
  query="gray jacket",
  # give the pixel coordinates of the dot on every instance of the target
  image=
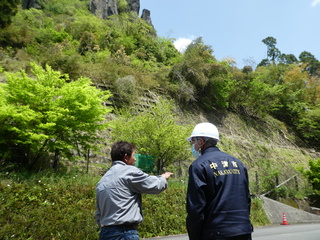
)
(118, 194)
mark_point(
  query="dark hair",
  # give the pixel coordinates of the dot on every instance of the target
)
(210, 142)
(121, 148)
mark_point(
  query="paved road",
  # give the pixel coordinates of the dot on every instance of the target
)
(288, 232)
(278, 232)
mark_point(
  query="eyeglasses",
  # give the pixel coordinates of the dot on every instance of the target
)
(196, 139)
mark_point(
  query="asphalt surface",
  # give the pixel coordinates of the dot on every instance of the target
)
(288, 232)
(276, 232)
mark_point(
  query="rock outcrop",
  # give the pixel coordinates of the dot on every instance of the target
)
(106, 8)
(146, 16)
(26, 4)
(103, 8)
(134, 5)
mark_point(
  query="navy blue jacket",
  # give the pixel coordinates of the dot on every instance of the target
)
(218, 198)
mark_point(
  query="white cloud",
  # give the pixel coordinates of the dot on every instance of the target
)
(315, 3)
(182, 43)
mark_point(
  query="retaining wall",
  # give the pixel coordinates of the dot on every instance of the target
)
(275, 210)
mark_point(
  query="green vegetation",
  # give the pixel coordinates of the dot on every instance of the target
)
(154, 132)
(124, 54)
(47, 115)
(8, 8)
(47, 206)
(313, 175)
(50, 206)
(71, 84)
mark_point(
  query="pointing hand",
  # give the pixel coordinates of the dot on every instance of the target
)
(167, 175)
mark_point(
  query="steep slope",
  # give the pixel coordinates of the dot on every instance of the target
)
(269, 149)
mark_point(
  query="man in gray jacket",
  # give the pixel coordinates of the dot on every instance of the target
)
(118, 194)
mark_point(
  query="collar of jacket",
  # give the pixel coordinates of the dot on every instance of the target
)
(118, 162)
(210, 149)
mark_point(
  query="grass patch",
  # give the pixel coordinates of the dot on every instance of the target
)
(258, 216)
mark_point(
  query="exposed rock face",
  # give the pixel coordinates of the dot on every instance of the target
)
(26, 4)
(103, 8)
(146, 16)
(106, 8)
(134, 5)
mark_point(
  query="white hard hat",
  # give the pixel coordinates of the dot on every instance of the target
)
(205, 129)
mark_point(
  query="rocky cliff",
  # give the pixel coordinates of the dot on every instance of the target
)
(102, 8)
(105, 8)
(146, 15)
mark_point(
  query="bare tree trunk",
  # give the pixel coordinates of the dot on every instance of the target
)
(160, 166)
(56, 160)
(88, 160)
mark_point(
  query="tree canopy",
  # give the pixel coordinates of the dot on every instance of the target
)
(155, 132)
(8, 8)
(313, 175)
(46, 113)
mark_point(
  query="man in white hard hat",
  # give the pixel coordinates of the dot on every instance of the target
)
(218, 198)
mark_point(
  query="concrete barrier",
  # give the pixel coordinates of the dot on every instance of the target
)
(275, 210)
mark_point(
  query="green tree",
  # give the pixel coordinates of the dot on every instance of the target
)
(312, 65)
(313, 91)
(293, 96)
(263, 98)
(122, 6)
(200, 77)
(199, 49)
(313, 174)
(8, 8)
(155, 132)
(195, 72)
(287, 58)
(309, 125)
(272, 52)
(46, 114)
(221, 83)
(264, 62)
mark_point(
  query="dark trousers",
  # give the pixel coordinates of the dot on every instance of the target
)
(240, 237)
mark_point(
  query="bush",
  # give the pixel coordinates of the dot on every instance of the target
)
(258, 216)
(313, 175)
(164, 214)
(7, 9)
(48, 208)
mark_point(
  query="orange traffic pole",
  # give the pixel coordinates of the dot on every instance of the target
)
(284, 219)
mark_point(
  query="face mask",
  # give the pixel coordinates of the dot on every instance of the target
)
(195, 153)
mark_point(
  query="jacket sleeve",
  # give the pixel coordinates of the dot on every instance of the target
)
(196, 202)
(144, 183)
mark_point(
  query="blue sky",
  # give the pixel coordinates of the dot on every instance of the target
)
(235, 28)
